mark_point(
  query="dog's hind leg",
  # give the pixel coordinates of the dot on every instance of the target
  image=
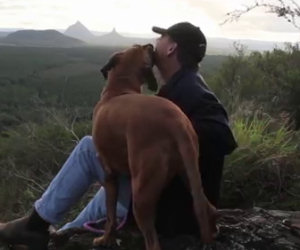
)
(206, 213)
(144, 208)
(147, 183)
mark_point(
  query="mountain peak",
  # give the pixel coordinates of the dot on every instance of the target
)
(79, 31)
(78, 23)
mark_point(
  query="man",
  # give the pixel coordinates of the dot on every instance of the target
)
(178, 52)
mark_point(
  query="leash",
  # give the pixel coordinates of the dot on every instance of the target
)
(91, 225)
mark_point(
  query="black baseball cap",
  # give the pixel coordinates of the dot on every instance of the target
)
(189, 37)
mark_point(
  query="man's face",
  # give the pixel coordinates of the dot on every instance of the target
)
(164, 47)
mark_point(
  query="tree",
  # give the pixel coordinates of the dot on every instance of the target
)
(287, 9)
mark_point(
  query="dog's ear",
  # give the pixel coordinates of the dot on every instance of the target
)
(112, 62)
(150, 80)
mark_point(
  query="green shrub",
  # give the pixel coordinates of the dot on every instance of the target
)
(30, 156)
(264, 169)
(270, 78)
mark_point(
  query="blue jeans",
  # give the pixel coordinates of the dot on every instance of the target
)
(81, 169)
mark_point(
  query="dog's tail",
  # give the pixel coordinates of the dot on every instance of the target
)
(206, 213)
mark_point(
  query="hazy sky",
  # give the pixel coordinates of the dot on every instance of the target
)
(138, 16)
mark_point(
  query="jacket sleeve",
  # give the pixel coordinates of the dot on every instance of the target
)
(207, 115)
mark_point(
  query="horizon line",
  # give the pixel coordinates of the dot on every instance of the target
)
(138, 35)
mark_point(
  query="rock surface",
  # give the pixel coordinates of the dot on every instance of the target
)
(255, 229)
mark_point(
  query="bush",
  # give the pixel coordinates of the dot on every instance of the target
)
(270, 79)
(30, 156)
(263, 170)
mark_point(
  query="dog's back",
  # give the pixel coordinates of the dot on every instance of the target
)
(138, 120)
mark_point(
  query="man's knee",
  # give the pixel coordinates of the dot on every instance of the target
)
(86, 143)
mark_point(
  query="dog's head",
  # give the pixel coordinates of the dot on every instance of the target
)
(137, 60)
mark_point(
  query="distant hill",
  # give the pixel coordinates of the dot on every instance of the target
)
(41, 38)
(79, 31)
(52, 38)
(4, 33)
(111, 39)
(217, 45)
(114, 39)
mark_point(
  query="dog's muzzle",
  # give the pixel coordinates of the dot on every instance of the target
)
(151, 54)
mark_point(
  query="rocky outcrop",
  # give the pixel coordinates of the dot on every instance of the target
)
(255, 229)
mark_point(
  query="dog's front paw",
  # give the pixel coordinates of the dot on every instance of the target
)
(104, 241)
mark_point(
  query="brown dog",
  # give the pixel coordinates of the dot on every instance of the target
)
(148, 138)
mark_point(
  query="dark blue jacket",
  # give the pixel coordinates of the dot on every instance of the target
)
(188, 90)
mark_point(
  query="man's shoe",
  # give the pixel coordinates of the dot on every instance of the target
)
(61, 237)
(22, 232)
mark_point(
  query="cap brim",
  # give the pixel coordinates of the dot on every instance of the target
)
(159, 30)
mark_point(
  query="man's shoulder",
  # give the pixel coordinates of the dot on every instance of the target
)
(194, 85)
(189, 80)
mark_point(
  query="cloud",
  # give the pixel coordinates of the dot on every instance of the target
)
(10, 7)
(256, 24)
(259, 20)
(216, 9)
(136, 16)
